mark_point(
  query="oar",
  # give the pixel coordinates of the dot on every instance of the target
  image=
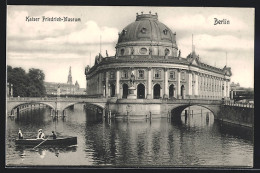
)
(41, 143)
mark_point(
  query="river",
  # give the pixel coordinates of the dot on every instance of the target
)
(196, 141)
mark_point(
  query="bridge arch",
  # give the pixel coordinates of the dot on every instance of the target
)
(101, 106)
(176, 111)
(11, 107)
(30, 103)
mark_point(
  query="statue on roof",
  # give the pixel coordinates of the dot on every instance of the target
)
(87, 69)
(106, 54)
(179, 53)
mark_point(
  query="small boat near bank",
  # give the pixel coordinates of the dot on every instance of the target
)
(61, 141)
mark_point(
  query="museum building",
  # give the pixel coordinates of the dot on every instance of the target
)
(149, 65)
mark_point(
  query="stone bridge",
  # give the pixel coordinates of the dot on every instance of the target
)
(139, 108)
(57, 104)
(177, 106)
(161, 107)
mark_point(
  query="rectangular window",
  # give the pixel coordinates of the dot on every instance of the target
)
(141, 74)
(112, 75)
(125, 74)
(172, 75)
(157, 74)
(183, 76)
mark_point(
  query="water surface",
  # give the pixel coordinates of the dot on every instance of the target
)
(195, 141)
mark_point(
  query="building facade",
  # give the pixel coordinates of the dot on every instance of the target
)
(148, 59)
(238, 93)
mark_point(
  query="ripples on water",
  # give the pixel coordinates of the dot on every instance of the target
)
(195, 141)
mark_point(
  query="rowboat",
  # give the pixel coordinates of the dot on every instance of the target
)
(49, 141)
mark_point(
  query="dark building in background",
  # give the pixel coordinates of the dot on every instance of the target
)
(241, 94)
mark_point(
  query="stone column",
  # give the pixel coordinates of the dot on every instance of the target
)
(117, 83)
(225, 88)
(213, 87)
(179, 85)
(210, 87)
(217, 89)
(228, 89)
(149, 84)
(196, 81)
(202, 85)
(175, 91)
(100, 84)
(222, 88)
(107, 89)
(231, 94)
(166, 90)
(190, 83)
(104, 91)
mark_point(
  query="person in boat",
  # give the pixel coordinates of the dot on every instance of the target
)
(40, 134)
(54, 136)
(20, 134)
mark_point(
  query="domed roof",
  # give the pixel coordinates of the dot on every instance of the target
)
(146, 28)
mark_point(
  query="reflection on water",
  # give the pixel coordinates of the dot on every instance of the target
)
(196, 140)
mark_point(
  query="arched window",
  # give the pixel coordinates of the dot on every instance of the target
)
(157, 74)
(140, 74)
(140, 91)
(172, 74)
(156, 91)
(125, 90)
(171, 91)
(122, 51)
(112, 90)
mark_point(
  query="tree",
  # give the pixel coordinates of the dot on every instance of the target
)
(17, 77)
(26, 84)
(36, 78)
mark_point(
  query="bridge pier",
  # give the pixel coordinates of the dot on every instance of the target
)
(52, 110)
(56, 113)
(17, 112)
(64, 113)
(186, 116)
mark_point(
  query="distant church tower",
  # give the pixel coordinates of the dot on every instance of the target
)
(69, 77)
(70, 81)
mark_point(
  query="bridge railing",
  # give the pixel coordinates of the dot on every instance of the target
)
(30, 98)
(195, 101)
(238, 104)
(54, 98)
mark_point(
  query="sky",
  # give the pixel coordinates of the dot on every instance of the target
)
(55, 46)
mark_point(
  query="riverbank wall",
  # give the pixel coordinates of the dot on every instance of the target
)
(237, 115)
